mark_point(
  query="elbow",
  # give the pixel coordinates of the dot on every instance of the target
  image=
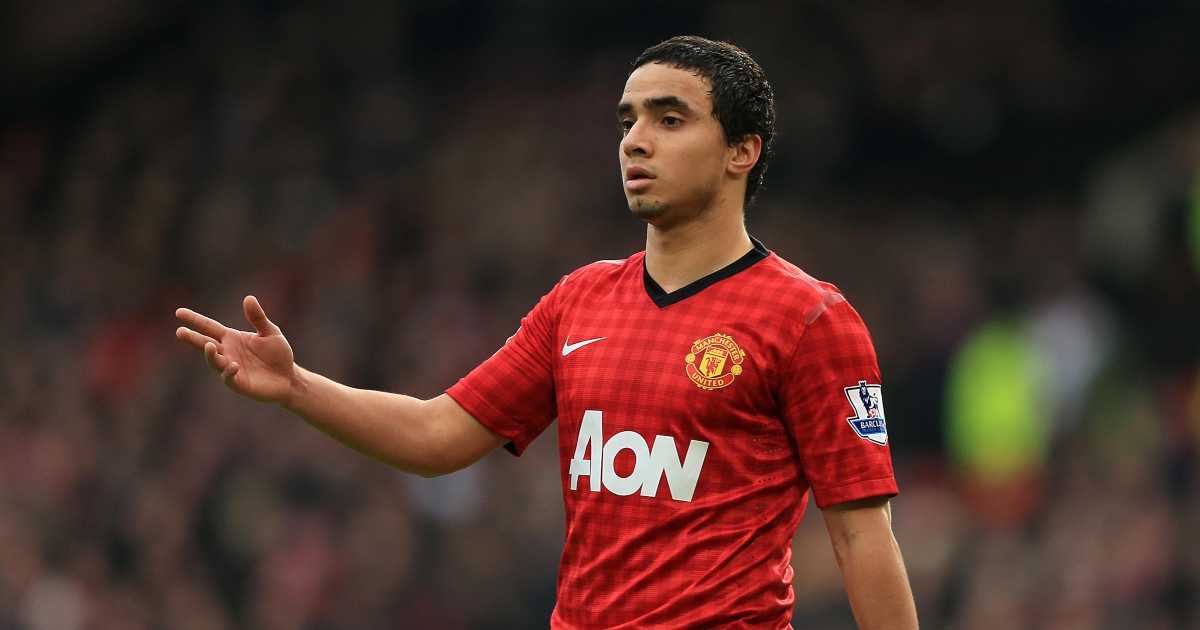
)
(428, 459)
(431, 469)
(842, 547)
(430, 473)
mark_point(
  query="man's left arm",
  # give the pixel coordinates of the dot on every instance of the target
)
(872, 568)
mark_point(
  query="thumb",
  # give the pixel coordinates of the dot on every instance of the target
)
(258, 317)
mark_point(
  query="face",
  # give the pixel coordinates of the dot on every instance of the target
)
(674, 158)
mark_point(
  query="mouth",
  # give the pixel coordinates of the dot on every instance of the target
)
(638, 178)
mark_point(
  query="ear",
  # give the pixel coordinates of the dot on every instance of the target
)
(745, 155)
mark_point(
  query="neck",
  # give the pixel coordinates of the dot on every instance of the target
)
(682, 253)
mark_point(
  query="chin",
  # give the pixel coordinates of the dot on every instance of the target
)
(648, 210)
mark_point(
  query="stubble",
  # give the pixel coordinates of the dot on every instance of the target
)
(649, 211)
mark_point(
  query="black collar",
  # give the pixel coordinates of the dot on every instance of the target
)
(662, 299)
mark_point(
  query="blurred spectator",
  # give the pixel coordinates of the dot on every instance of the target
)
(998, 421)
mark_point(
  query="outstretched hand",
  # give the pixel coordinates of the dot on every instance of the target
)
(258, 365)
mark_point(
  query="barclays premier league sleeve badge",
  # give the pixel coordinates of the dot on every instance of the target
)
(868, 422)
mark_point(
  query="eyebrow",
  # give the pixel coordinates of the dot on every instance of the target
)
(658, 102)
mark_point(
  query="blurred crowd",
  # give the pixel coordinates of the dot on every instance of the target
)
(1005, 191)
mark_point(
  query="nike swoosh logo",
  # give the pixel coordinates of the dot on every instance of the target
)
(569, 347)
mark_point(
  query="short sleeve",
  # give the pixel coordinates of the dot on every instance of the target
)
(832, 404)
(512, 393)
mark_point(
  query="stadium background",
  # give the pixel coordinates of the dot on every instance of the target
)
(1005, 190)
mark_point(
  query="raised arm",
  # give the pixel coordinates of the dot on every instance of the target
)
(872, 568)
(425, 437)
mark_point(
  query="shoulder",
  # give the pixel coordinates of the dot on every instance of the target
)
(586, 283)
(602, 268)
(601, 272)
(794, 290)
(829, 332)
(827, 324)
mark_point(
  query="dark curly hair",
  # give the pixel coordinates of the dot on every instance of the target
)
(741, 97)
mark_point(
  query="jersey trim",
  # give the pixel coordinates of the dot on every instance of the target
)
(662, 299)
(864, 489)
(484, 413)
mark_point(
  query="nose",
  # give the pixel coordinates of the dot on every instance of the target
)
(638, 140)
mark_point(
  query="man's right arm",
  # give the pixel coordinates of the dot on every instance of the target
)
(425, 437)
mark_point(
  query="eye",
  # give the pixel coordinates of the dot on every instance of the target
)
(672, 121)
(626, 125)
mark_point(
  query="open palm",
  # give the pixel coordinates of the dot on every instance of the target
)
(258, 365)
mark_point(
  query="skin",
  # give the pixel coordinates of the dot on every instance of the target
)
(695, 225)
(693, 209)
(693, 205)
(872, 567)
(425, 437)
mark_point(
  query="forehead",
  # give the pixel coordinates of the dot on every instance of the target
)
(654, 80)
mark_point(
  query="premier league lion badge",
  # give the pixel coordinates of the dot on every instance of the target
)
(868, 422)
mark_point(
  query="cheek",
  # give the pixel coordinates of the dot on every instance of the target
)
(700, 160)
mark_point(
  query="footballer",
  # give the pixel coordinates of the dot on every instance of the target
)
(702, 387)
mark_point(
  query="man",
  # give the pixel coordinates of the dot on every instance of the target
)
(735, 382)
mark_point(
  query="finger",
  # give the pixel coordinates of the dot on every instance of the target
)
(229, 372)
(215, 360)
(200, 323)
(195, 339)
(258, 317)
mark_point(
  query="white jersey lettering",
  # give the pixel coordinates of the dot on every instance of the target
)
(591, 432)
(681, 479)
(650, 465)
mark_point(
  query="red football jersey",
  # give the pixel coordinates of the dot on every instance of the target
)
(691, 426)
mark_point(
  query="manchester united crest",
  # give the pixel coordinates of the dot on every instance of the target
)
(714, 361)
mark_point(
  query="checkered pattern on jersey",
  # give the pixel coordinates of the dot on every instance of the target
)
(773, 427)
